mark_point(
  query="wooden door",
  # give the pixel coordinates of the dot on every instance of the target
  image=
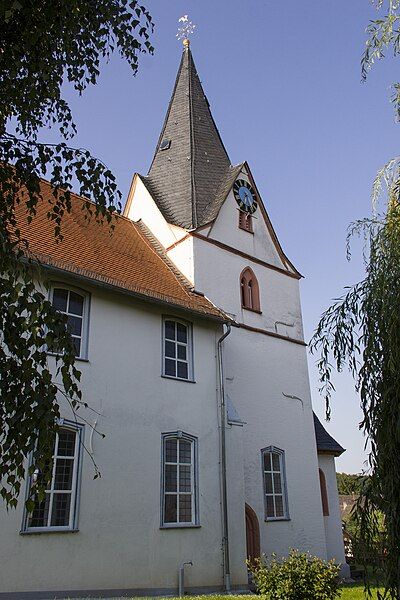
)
(252, 534)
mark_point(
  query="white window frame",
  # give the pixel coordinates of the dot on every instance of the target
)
(83, 355)
(195, 522)
(282, 471)
(188, 345)
(78, 428)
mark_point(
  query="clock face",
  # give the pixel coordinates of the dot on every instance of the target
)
(245, 196)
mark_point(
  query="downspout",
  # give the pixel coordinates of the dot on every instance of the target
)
(224, 494)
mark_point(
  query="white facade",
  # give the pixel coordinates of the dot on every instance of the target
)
(266, 373)
(119, 544)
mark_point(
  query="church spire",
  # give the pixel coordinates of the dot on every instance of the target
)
(190, 162)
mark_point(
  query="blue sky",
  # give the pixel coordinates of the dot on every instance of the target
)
(283, 80)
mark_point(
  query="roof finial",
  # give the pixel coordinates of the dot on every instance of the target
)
(185, 30)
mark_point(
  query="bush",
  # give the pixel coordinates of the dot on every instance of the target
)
(299, 576)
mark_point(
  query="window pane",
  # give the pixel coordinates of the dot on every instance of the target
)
(66, 443)
(185, 479)
(75, 304)
(77, 344)
(276, 462)
(74, 325)
(63, 474)
(182, 352)
(185, 451)
(170, 367)
(185, 508)
(182, 370)
(170, 349)
(279, 506)
(60, 299)
(277, 483)
(267, 461)
(170, 515)
(270, 506)
(170, 450)
(60, 510)
(170, 330)
(170, 478)
(39, 515)
(268, 483)
(182, 332)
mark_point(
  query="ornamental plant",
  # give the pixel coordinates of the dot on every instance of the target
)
(298, 576)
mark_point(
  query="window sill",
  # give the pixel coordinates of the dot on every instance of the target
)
(180, 526)
(77, 358)
(246, 230)
(276, 519)
(178, 379)
(41, 530)
(254, 310)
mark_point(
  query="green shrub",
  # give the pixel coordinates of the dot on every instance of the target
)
(299, 576)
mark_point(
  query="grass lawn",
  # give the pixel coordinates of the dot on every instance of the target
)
(349, 592)
(354, 592)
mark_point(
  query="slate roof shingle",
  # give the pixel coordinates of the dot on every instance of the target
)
(123, 258)
(325, 442)
(185, 179)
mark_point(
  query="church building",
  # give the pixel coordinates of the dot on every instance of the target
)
(187, 323)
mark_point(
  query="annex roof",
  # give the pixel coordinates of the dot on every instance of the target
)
(190, 164)
(325, 442)
(123, 258)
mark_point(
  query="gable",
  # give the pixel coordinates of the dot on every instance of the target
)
(262, 243)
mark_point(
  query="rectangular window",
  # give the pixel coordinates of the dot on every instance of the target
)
(274, 484)
(245, 221)
(75, 305)
(58, 510)
(177, 349)
(179, 473)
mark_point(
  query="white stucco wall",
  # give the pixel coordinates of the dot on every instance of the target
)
(266, 377)
(120, 544)
(267, 380)
(333, 522)
(140, 205)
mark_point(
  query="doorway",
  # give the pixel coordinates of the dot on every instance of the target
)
(252, 534)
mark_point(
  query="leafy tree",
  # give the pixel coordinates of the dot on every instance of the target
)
(361, 331)
(43, 45)
(349, 484)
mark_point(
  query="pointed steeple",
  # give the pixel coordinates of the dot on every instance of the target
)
(190, 162)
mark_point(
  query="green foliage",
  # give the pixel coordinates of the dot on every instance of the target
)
(349, 484)
(43, 45)
(361, 331)
(297, 577)
(383, 34)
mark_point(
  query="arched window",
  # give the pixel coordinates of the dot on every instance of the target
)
(249, 292)
(275, 489)
(179, 485)
(324, 493)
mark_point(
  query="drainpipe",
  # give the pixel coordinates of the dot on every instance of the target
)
(224, 498)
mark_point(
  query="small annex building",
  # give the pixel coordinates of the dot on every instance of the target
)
(187, 324)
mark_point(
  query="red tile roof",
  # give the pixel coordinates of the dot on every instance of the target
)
(125, 257)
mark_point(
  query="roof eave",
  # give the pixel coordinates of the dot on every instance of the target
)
(133, 294)
(331, 452)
